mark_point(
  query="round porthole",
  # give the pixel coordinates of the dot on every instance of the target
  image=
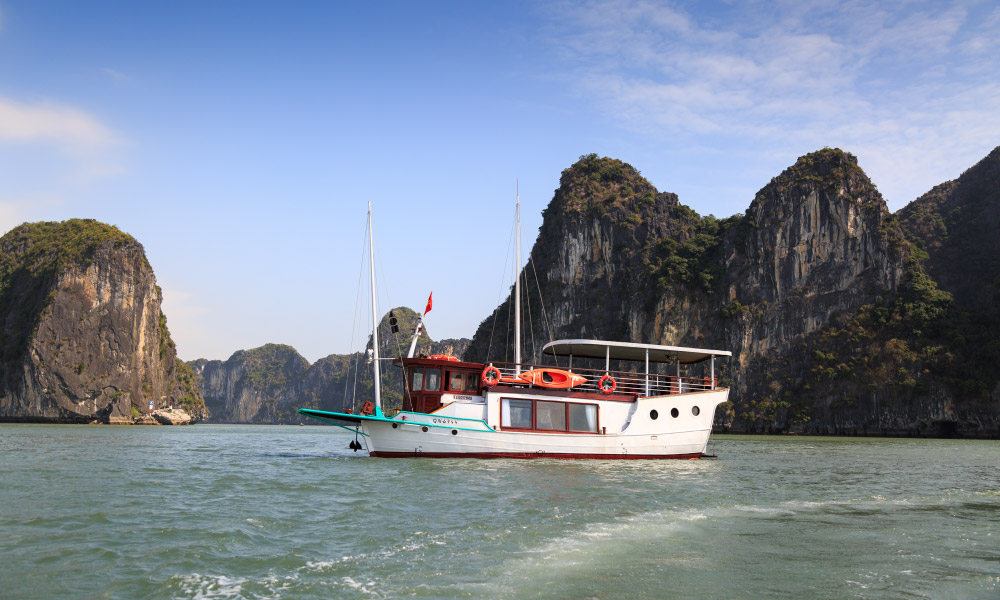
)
(424, 428)
(653, 415)
(695, 411)
(674, 413)
(454, 432)
(394, 425)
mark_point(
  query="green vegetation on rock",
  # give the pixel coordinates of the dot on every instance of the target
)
(31, 257)
(70, 292)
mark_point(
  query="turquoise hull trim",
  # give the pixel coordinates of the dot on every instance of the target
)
(325, 416)
(406, 412)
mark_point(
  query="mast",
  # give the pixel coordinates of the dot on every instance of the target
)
(375, 361)
(517, 280)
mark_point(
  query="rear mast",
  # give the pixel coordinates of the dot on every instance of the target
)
(517, 280)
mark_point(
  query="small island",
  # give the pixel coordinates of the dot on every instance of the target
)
(84, 339)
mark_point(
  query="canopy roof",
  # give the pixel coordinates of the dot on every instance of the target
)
(630, 351)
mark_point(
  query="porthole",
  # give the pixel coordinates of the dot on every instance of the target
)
(424, 428)
(653, 414)
(674, 413)
(454, 432)
(695, 411)
(394, 425)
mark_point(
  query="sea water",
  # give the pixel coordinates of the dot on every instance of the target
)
(212, 511)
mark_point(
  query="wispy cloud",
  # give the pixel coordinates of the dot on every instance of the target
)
(115, 75)
(64, 126)
(69, 146)
(915, 80)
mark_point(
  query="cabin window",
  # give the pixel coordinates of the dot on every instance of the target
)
(432, 382)
(550, 415)
(516, 413)
(417, 382)
(472, 382)
(583, 417)
(455, 382)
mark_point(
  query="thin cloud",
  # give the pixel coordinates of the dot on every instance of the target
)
(894, 84)
(74, 147)
(52, 123)
(115, 75)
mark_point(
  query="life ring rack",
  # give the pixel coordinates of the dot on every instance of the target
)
(491, 376)
(606, 384)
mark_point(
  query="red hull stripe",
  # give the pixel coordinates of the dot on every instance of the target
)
(530, 455)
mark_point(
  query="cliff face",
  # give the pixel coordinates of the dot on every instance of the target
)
(832, 321)
(268, 384)
(253, 386)
(956, 224)
(84, 338)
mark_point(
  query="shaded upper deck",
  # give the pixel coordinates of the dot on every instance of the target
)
(631, 351)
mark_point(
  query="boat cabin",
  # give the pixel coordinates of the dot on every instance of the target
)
(426, 379)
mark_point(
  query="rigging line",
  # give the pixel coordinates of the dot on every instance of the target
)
(506, 339)
(383, 284)
(511, 316)
(355, 330)
(496, 313)
(385, 377)
(541, 300)
(531, 325)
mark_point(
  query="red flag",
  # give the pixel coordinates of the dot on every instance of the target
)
(430, 303)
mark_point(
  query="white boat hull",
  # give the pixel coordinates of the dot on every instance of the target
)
(635, 436)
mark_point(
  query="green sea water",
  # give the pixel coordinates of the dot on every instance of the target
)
(213, 511)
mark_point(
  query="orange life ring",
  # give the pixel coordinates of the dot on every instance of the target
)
(491, 376)
(368, 408)
(446, 357)
(606, 384)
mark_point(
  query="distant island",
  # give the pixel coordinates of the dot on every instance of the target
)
(268, 384)
(843, 318)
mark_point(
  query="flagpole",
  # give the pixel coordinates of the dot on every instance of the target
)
(420, 324)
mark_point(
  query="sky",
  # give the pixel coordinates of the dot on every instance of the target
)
(240, 142)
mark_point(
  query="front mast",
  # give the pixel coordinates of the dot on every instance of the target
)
(375, 361)
(517, 281)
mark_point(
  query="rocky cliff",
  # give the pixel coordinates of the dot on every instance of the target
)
(834, 323)
(268, 384)
(84, 338)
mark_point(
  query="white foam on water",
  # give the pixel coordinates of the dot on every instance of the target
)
(367, 587)
(204, 587)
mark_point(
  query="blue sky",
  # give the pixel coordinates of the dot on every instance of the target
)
(241, 141)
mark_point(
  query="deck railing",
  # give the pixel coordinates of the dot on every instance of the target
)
(626, 384)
